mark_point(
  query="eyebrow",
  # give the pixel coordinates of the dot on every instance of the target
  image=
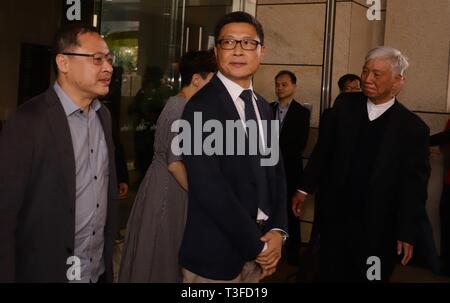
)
(236, 38)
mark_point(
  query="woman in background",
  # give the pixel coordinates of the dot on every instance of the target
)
(156, 224)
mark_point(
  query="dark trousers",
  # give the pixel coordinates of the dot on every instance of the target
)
(294, 241)
(444, 209)
(344, 253)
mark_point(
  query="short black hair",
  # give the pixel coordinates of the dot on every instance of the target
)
(345, 78)
(196, 62)
(67, 37)
(239, 17)
(289, 73)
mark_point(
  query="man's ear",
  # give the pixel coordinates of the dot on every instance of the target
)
(62, 63)
(398, 84)
(195, 80)
(263, 51)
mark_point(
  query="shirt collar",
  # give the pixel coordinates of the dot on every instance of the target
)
(287, 106)
(69, 106)
(233, 88)
(382, 106)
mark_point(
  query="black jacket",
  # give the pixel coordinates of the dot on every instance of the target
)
(37, 193)
(293, 138)
(221, 233)
(398, 184)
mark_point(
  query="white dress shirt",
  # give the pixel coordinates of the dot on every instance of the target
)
(235, 91)
(374, 111)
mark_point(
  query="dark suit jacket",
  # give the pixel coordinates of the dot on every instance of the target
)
(221, 233)
(293, 138)
(37, 193)
(398, 185)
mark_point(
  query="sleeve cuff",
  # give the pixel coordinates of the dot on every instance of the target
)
(303, 192)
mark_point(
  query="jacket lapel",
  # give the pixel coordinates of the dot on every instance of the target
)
(388, 146)
(350, 130)
(59, 126)
(225, 99)
(102, 115)
(265, 116)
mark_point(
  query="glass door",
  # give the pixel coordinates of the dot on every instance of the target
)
(148, 38)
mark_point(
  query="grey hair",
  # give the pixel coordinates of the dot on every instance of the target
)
(397, 60)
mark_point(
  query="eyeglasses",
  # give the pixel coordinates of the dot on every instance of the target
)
(247, 44)
(97, 58)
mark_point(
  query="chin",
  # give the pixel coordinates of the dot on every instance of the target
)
(369, 94)
(103, 92)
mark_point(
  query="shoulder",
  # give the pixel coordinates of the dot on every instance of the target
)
(34, 109)
(28, 119)
(174, 105)
(410, 120)
(296, 106)
(206, 98)
(349, 99)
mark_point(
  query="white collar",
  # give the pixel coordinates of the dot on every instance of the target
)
(232, 87)
(381, 106)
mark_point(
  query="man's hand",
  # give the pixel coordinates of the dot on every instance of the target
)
(269, 258)
(407, 250)
(123, 190)
(297, 200)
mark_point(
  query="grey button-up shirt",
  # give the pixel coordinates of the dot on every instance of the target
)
(92, 177)
(281, 112)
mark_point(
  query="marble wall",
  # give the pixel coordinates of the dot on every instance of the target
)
(422, 32)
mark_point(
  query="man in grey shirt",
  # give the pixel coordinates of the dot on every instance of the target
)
(58, 184)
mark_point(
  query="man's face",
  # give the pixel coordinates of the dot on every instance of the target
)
(237, 64)
(352, 86)
(284, 88)
(86, 78)
(379, 82)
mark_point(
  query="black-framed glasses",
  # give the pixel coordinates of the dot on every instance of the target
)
(247, 44)
(97, 58)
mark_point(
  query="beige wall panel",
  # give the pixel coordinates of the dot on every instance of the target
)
(421, 30)
(364, 2)
(436, 122)
(289, 1)
(294, 33)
